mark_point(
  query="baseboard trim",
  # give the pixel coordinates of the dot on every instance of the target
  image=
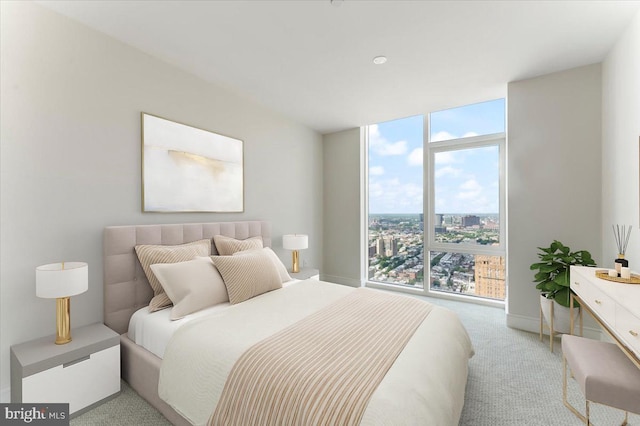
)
(521, 322)
(340, 280)
(5, 395)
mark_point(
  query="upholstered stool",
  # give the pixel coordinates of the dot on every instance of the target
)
(604, 373)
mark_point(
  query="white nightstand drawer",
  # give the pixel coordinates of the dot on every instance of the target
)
(80, 383)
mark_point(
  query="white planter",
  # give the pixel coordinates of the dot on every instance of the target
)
(561, 315)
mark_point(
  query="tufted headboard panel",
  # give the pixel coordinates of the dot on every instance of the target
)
(126, 288)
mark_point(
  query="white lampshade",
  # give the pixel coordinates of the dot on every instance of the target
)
(62, 279)
(295, 241)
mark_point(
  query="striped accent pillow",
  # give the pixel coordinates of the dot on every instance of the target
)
(248, 275)
(282, 270)
(226, 246)
(152, 254)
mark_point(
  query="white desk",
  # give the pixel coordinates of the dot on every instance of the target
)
(615, 306)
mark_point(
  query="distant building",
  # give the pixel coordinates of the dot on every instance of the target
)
(439, 220)
(391, 247)
(470, 220)
(490, 277)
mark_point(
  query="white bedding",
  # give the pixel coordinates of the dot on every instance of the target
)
(425, 385)
(153, 330)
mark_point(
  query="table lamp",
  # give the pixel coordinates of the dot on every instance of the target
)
(60, 281)
(295, 242)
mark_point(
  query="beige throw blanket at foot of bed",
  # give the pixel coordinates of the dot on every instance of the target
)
(425, 386)
(323, 369)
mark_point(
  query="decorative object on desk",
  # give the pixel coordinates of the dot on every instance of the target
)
(60, 281)
(603, 274)
(552, 279)
(186, 169)
(295, 242)
(621, 234)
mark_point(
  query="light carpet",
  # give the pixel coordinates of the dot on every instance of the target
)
(513, 380)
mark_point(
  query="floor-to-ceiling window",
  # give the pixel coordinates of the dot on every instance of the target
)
(458, 245)
(395, 239)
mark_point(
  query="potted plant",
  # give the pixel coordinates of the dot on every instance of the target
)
(552, 279)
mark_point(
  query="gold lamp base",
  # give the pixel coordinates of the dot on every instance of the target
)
(296, 262)
(63, 320)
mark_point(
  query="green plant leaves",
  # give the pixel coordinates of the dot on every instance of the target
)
(552, 277)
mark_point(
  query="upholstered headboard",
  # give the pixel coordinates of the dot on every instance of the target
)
(126, 288)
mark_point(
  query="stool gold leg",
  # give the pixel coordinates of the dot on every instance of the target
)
(564, 392)
(564, 380)
(626, 418)
(588, 420)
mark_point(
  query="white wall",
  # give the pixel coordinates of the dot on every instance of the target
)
(70, 159)
(554, 176)
(341, 208)
(620, 139)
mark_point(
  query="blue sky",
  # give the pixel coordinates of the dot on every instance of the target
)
(466, 181)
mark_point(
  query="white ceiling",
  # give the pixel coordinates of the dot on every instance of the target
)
(312, 60)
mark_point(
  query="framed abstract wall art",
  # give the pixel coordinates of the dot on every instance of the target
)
(186, 169)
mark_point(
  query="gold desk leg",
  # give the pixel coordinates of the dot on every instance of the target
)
(570, 312)
(581, 320)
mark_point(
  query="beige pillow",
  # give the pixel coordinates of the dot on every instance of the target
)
(154, 254)
(282, 270)
(226, 246)
(191, 286)
(248, 275)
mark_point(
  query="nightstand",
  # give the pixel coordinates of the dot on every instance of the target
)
(83, 372)
(305, 273)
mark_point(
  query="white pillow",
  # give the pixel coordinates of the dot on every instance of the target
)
(282, 270)
(152, 254)
(191, 285)
(248, 275)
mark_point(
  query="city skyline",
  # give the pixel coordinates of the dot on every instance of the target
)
(397, 254)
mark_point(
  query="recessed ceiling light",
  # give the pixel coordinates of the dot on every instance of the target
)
(379, 60)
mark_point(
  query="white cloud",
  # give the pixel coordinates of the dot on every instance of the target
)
(445, 157)
(415, 157)
(381, 146)
(470, 190)
(376, 171)
(469, 134)
(442, 136)
(471, 184)
(447, 171)
(388, 195)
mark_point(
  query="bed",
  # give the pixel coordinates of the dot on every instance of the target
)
(424, 383)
